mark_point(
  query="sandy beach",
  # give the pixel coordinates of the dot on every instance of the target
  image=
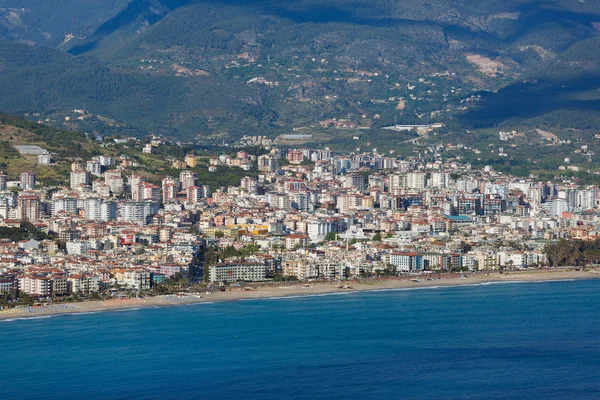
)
(272, 290)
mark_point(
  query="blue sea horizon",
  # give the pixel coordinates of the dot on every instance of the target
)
(504, 341)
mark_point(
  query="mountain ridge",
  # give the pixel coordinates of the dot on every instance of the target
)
(221, 69)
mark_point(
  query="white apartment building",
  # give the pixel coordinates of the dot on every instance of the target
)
(137, 279)
(35, 285)
(79, 178)
(318, 229)
(238, 272)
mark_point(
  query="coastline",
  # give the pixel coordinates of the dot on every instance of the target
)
(296, 289)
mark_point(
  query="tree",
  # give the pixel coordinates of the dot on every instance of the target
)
(211, 257)
(592, 256)
(25, 298)
(562, 252)
(278, 276)
(94, 296)
(195, 229)
(330, 236)
(230, 251)
(465, 247)
(219, 234)
(377, 237)
(390, 270)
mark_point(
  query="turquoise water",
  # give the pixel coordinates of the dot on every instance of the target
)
(503, 341)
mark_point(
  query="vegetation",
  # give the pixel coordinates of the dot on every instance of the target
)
(190, 75)
(330, 236)
(24, 232)
(64, 142)
(244, 252)
(573, 253)
(278, 276)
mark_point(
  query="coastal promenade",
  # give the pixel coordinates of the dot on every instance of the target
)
(305, 289)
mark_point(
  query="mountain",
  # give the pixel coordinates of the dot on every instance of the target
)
(564, 93)
(54, 23)
(220, 69)
(37, 80)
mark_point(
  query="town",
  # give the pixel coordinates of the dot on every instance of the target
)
(307, 215)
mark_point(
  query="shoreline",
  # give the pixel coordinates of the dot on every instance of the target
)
(288, 290)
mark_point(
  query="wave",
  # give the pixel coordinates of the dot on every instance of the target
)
(514, 282)
(286, 297)
(333, 294)
(301, 296)
(83, 313)
(434, 287)
(405, 289)
(465, 285)
(30, 318)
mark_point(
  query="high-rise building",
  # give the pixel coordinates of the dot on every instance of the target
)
(347, 202)
(355, 181)
(318, 229)
(295, 156)
(28, 180)
(106, 161)
(279, 200)
(28, 206)
(267, 163)
(101, 188)
(439, 179)
(64, 205)
(195, 193)
(376, 181)
(80, 178)
(3, 181)
(93, 166)
(299, 201)
(136, 211)
(99, 209)
(149, 192)
(187, 179)
(114, 180)
(170, 188)
(249, 184)
(134, 184)
(415, 180)
(4, 208)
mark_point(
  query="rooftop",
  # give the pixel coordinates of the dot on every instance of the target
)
(31, 150)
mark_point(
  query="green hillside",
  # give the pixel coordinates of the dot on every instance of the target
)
(49, 23)
(66, 145)
(37, 80)
(216, 70)
(69, 146)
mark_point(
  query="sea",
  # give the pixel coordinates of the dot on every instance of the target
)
(531, 340)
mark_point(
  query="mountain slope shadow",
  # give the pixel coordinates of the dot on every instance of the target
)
(151, 11)
(531, 99)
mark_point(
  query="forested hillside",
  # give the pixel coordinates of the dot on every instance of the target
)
(50, 23)
(220, 69)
